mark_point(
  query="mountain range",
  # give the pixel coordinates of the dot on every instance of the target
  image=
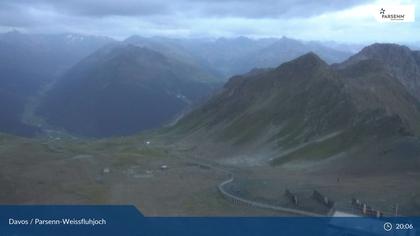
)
(35, 67)
(98, 87)
(230, 56)
(308, 104)
(347, 129)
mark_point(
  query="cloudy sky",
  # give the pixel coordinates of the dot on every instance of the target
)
(339, 20)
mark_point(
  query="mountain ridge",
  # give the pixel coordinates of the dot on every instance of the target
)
(400, 61)
(303, 100)
(230, 56)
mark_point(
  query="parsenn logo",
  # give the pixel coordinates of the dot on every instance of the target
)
(395, 13)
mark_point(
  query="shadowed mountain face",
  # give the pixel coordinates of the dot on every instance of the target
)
(304, 101)
(123, 89)
(400, 61)
(29, 62)
(11, 109)
(227, 57)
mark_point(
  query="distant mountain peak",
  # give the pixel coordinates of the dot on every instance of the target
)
(385, 50)
(310, 57)
(385, 46)
(307, 62)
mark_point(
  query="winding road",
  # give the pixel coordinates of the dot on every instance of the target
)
(240, 200)
(237, 199)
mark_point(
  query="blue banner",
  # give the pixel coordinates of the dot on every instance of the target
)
(127, 220)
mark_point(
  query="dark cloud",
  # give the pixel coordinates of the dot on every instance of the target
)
(273, 8)
(203, 8)
(12, 15)
(111, 7)
(204, 18)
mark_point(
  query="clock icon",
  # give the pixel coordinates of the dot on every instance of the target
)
(387, 226)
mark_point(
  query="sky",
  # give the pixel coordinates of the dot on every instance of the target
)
(324, 20)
